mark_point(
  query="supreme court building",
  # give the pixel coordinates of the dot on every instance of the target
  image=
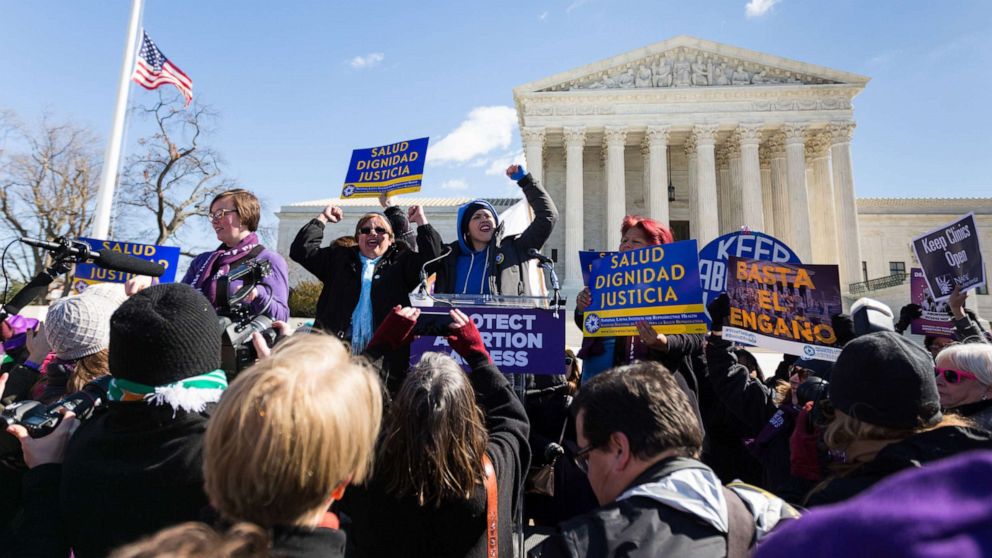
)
(708, 138)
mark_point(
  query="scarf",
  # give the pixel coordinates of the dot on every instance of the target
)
(223, 258)
(361, 318)
(191, 394)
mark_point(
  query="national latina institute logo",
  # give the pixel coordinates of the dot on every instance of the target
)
(592, 323)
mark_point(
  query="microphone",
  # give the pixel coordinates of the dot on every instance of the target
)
(534, 253)
(107, 259)
(423, 268)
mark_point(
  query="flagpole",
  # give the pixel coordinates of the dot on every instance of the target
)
(115, 143)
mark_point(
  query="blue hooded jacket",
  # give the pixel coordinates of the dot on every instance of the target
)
(472, 267)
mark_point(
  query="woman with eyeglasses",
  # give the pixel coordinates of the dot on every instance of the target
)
(964, 381)
(234, 216)
(365, 279)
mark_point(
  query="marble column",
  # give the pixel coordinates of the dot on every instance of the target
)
(721, 159)
(748, 137)
(689, 147)
(616, 191)
(795, 165)
(821, 199)
(736, 187)
(780, 189)
(846, 215)
(708, 224)
(656, 188)
(533, 139)
(574, 139)
(767, 197)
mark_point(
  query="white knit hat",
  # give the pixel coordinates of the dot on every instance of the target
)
(79, 326)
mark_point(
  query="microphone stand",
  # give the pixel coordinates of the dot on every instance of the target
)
(557, 302)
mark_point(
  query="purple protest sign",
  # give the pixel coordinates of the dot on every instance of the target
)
(936, 316)
(520, 340)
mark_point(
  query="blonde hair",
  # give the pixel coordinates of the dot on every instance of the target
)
(970, 357)
(198, 540)
(290, 430)
(87, 369)
(844, 430)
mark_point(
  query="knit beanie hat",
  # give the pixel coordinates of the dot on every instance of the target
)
(79, 326)
(885, 380)
(164, 334)
(469, 210)
(112, 293)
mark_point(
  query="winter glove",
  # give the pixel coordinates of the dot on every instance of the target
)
(394, 332)
(843, 328)
(467, 342)
(907, 314)
(719, 309)
(517, 176)
(804, 463)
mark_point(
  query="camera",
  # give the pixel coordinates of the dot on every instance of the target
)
(870, 316)
(40, 419)
(237, 322)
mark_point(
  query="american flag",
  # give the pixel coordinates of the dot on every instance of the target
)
(153, 70)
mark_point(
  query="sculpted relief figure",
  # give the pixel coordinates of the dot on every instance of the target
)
(682, 71)
(741, 77)
(700, 72)
(719, 75)
(626, 80)
(662, 73)
(606, 83)
(643, 77)
(759, 78)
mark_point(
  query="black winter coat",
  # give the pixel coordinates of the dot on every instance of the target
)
(505, 262)
(915, 451)
(380, 524)
(339, 268)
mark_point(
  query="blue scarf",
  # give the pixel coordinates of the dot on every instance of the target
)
(361, 318)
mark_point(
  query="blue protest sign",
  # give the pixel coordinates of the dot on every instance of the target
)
(586, 259)
(657, 284)
(951, 257)
(88, 273)
(754, 245)
(396, 168)
(520, 340)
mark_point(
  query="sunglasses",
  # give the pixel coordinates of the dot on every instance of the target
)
(219, 214)
(368, 230)
(954, 376)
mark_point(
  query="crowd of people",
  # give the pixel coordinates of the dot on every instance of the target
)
(334, 444)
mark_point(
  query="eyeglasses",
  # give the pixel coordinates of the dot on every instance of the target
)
(581, 458)
(219, 214)
(368, 230)
(954, 376)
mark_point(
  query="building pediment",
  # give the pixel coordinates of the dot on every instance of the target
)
(688, 62)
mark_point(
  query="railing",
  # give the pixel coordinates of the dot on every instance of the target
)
(879, 283)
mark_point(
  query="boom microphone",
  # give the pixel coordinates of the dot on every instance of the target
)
(107, 259)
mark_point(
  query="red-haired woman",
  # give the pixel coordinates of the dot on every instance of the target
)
(678, 352)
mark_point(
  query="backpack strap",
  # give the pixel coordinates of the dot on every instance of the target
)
(741, 531)
(492, 508)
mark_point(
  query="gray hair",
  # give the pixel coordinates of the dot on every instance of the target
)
(970, 357)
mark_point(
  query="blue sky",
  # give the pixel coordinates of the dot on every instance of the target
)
(300, 84)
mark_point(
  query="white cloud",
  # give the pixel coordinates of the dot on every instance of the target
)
(543, 16)
(575, 5)
(757, 8)
(371, 60)
(498, 165)
(486, 129)
(454, 184)
(883, 58)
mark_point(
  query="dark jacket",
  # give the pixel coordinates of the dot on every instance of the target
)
(915, 451)
(979, 412)
(297, 542)
(753, 404)
(645, 522)
(339, 269)
(380, 524)
(506, 255)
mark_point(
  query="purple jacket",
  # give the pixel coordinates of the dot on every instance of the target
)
(941, 509)
(274, 288)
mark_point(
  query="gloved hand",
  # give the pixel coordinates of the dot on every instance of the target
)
(719, 310)
(802, 445)
(516, 172)
(907, 314)
(396, 330)
(465, 338)
(843, 328)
